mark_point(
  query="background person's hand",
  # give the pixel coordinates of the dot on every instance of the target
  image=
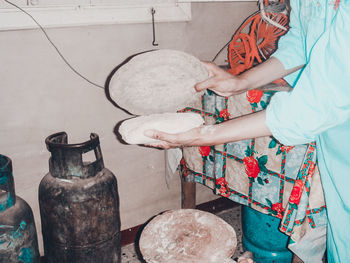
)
(246, 257)
(221, 82)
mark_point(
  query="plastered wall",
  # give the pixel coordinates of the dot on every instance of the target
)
(40, 95)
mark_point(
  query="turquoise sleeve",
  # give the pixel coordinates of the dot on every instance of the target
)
(290, 46)
(321, 98)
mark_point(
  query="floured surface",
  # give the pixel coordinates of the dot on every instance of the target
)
(187, 236)
(157, 82)
(132, 130)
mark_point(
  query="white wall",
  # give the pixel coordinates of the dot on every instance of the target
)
(41, 96)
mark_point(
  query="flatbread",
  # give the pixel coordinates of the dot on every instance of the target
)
(187, 236)
(132, 130)
(157, 82)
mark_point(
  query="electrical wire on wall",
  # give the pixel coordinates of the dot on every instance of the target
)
(88, 80)
(55, 47)
(65, 60)
(219, 52)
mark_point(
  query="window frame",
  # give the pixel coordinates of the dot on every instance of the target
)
(82, 15)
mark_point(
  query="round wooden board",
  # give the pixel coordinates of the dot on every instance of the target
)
(186, 236)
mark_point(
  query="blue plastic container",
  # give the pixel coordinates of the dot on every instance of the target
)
(262, 237)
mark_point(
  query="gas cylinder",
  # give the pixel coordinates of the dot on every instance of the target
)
(18, 237)
(79, 204)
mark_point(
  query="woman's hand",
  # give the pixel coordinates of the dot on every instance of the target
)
(237, 129)
(226, 84)
(222, 82)
(167, 140)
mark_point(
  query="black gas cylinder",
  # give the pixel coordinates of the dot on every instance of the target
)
(18, 237)
(79, 204)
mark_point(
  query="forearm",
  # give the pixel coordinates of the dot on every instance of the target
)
(241, 128)
(265, 73)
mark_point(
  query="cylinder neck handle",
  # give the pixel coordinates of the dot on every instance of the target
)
(66, 159)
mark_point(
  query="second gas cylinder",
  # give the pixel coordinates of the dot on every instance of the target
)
(79, 205)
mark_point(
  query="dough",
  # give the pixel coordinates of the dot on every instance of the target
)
(157, 82)
(132, 130)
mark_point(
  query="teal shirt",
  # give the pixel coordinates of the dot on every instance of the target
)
(318, 108)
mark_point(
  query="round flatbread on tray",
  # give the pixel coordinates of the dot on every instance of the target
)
(132, 130)
(157, 82)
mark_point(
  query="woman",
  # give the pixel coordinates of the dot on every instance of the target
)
(314, 57)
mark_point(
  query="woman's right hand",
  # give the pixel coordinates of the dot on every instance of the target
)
(222, 82)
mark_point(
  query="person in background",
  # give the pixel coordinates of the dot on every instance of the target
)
(314, 57)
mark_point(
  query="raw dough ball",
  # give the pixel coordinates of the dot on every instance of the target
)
(157, 82)
(132, 130)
